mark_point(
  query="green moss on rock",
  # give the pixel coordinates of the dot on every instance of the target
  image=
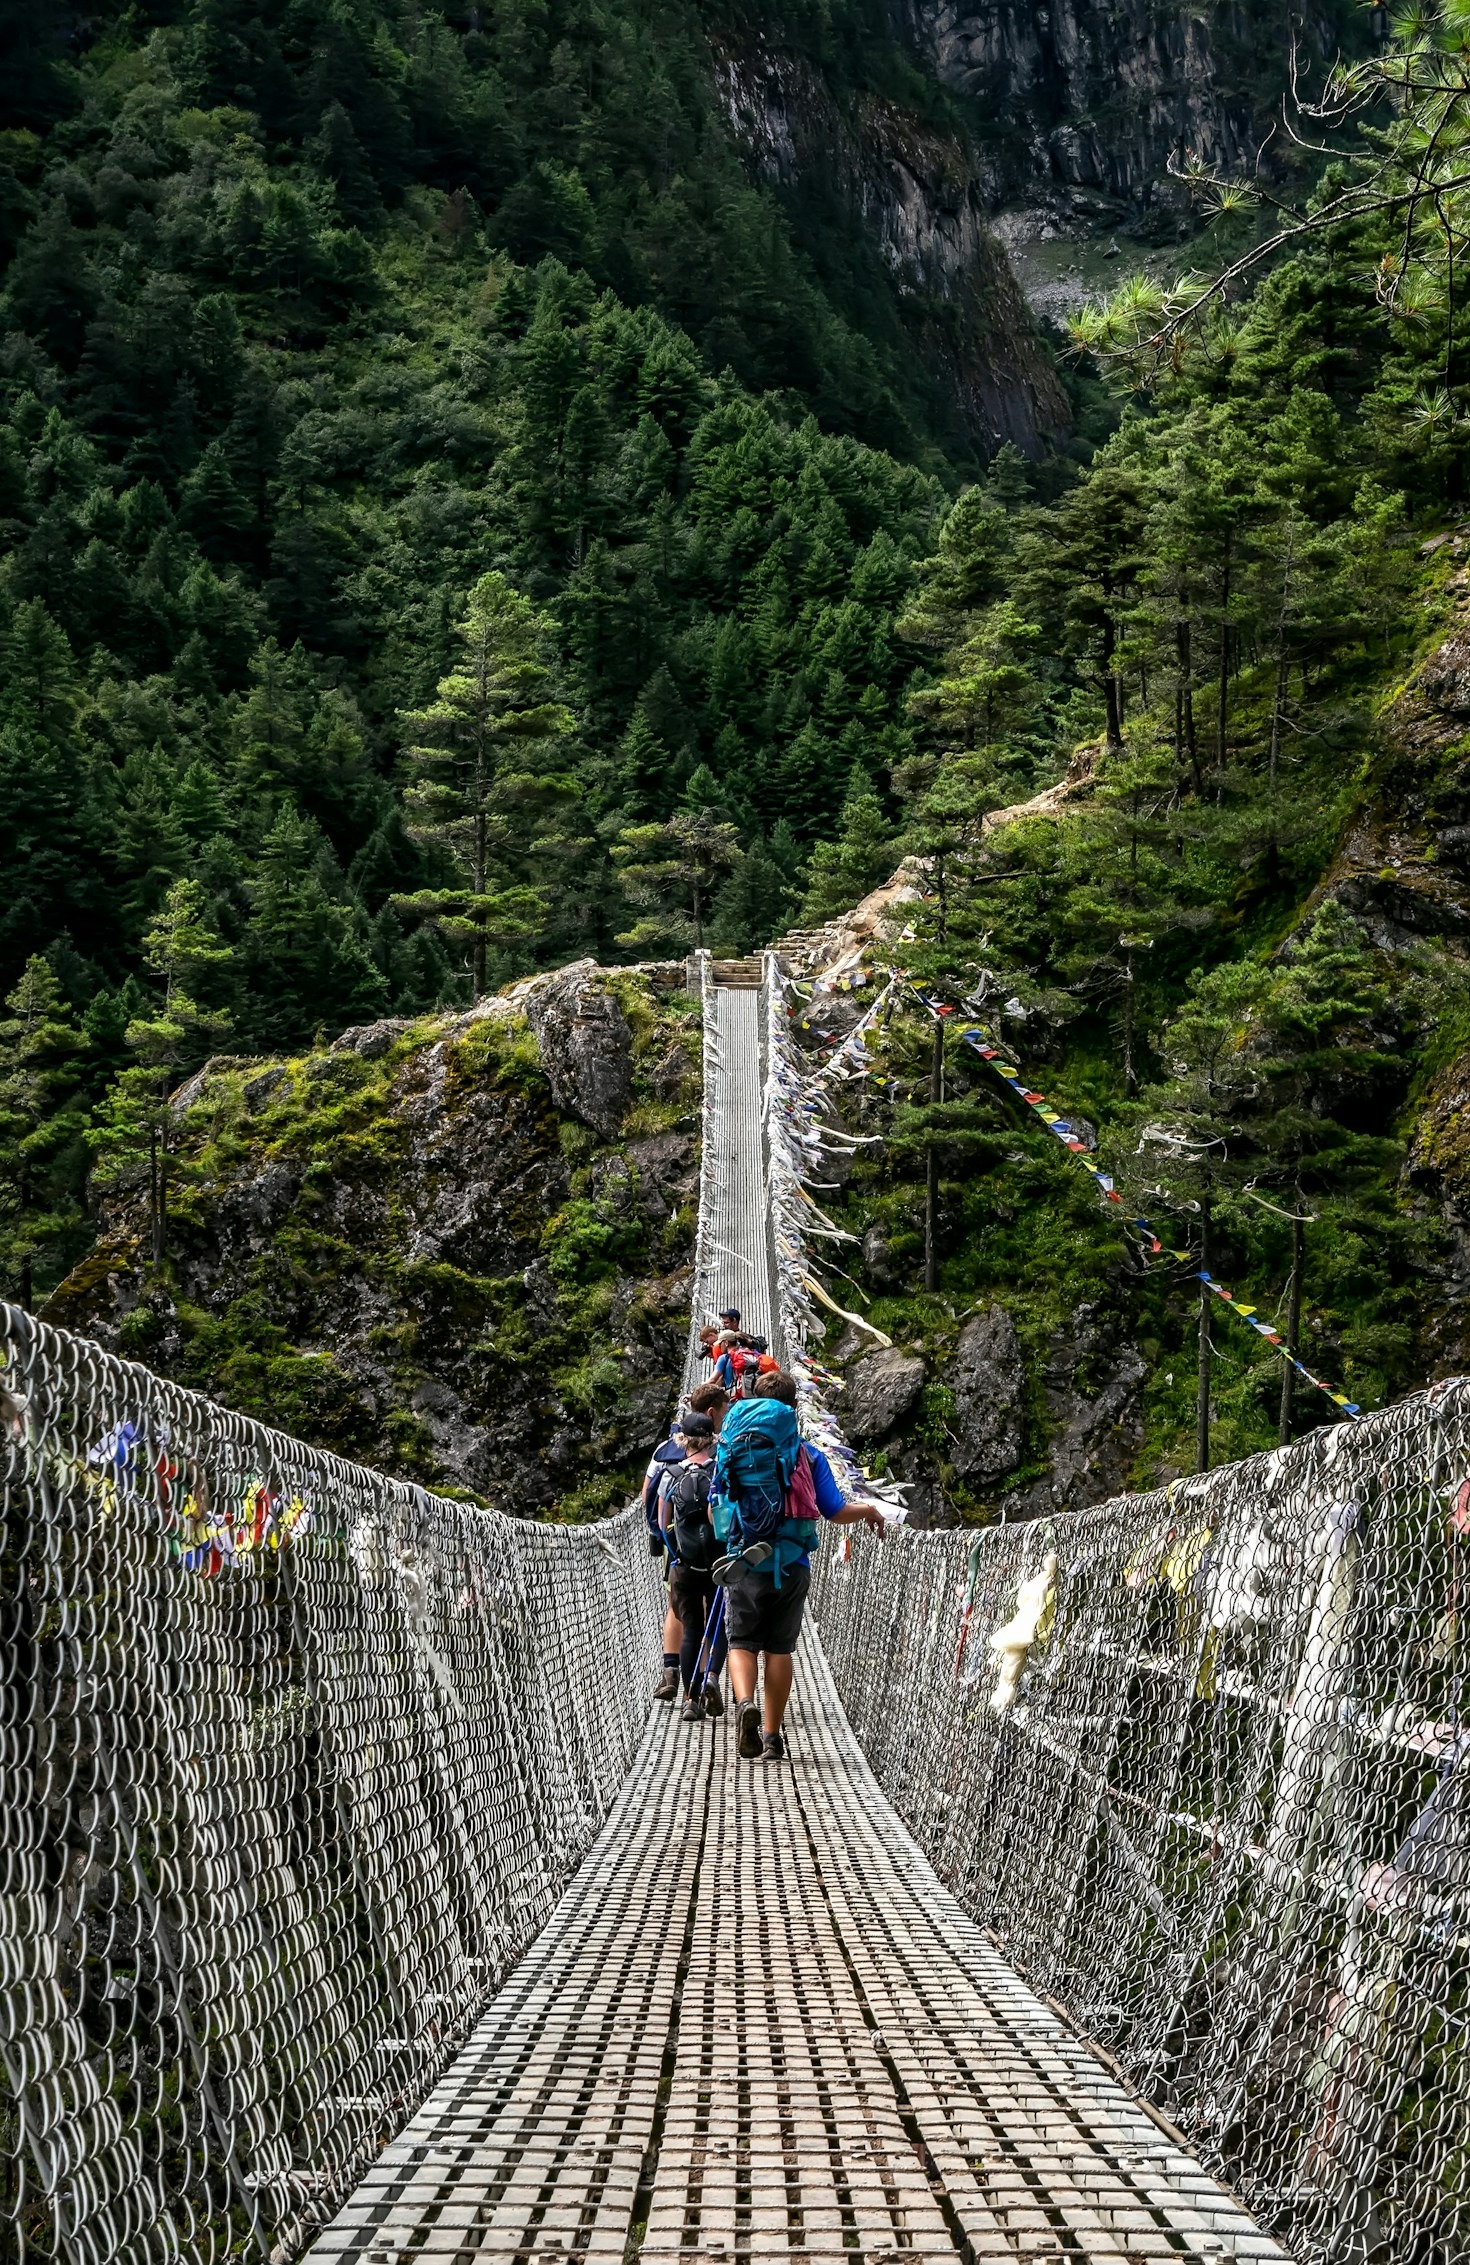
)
(401, 1249)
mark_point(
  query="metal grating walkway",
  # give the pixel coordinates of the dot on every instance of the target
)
(757, 2025)
(735, 1190)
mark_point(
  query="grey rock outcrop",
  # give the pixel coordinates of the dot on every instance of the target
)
(988, 1380)
(371, 1040)
(401, 1278)
(1091, 1384)
(1088, 105)
(910, 188)
(585, 1044)
(878, 1257)
(880, 1390)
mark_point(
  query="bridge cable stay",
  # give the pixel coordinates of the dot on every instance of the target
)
(353, 1906)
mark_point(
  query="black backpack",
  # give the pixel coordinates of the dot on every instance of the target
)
(688, 1502)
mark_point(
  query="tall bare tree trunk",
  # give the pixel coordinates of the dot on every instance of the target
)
(1202, 1388)
(1184, 644)
(1293, 1323)
(1223, 711)
(1130, 1011)
(931, 1166)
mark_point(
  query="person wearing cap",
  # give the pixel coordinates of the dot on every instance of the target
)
(683, 1512)
(707, 1400)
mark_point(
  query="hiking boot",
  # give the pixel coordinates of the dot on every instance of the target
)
(692, 1711)
(714, 1705)
(667, 1686)
(748, 1732)
(773, 1746)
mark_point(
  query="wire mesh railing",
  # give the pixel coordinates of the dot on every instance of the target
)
(1201, 1762)
(296, 1761)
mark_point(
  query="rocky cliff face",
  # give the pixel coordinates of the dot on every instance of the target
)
(1085, 101)
(1052, 121)
(912, 189)
(959, 1423)
(458, 1249)
(1057, 121)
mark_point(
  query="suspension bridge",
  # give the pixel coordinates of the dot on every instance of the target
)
(357, 1904)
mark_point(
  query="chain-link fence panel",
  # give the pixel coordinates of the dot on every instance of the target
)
(296, 1761)
(1201, 1762)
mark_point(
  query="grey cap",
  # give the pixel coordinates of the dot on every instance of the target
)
(695, 1425)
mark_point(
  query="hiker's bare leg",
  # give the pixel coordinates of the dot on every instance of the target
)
(779, 1670)
(673, 1630)
(742, 1674)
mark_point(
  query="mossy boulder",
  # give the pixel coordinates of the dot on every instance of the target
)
(404, 1248)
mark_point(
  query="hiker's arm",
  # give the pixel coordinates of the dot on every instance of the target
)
(858, 1514)
(830, 1503)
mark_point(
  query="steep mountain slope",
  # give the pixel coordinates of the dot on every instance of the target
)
(1082, 105)
(1054, 1362)
(458, 1249)
(901, 179)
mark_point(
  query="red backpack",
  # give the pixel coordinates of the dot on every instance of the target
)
(747, 1367)
(801, 1492)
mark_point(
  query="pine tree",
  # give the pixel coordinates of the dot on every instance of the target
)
(845, 870)
(43, 1112)
(491, 718)
(1082, 570)
(967, 572)
(212, 506)
(988, 691)
(758, 901)
(40, 670)
(643, 765)
(335, 152)
(305, 949)
(669, 868)
(174, 1034)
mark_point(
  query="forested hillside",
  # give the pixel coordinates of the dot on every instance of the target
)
(459, 517)
(314, 318)
(1192, 811)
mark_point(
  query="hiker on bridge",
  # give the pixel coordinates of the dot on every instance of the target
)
(684, 1513)
(772, 1491)
(738, 1356)
(705, 1400)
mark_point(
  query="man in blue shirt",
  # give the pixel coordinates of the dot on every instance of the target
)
(762, 1618)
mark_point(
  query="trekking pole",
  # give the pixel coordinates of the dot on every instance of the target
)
(711, 1638)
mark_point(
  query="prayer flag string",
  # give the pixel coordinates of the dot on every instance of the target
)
(981, 1042)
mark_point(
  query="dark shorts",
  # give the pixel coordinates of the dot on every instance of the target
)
(762, 1618)
(691, 1594)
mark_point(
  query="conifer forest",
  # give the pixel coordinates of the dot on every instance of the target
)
(486, 487)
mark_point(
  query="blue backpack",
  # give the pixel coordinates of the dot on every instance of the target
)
(755, 1462)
